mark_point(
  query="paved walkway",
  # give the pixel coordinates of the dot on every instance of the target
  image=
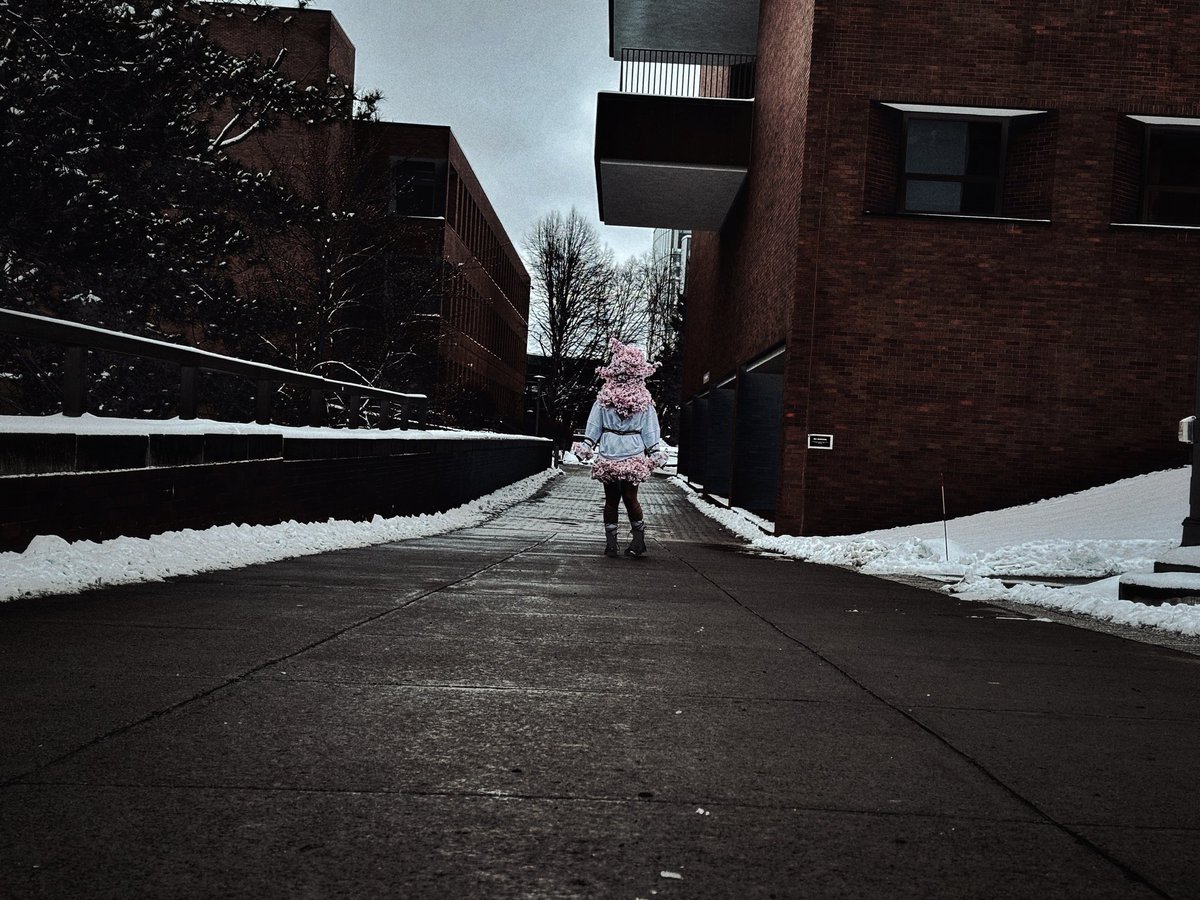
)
(503, 712)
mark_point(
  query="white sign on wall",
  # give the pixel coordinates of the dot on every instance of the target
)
(820, 442)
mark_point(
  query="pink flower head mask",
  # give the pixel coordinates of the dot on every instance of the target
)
(624, 387)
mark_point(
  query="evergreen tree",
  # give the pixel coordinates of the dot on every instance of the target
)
(120, 205)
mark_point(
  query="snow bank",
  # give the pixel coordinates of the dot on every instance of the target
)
(1096, 534)
(90, 424)
(51, 565)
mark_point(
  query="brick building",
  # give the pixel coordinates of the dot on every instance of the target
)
(934, 240)
(450, 264)
(483, 289)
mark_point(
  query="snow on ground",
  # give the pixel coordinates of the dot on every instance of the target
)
(51, 565)
(90, 424)
(1097, 534)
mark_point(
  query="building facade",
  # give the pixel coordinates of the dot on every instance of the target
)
(940, 243)
(671, 247)
(443, 276)
(481, 298)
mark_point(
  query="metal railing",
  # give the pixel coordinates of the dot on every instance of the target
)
(681, 73)
(80, 339)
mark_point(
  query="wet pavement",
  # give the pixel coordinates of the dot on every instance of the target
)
(504, 712)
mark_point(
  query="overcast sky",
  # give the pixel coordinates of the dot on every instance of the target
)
(516, 80)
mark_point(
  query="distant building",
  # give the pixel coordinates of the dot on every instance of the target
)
(482, 303)
(671, 246)
(453, 263)
(931, 241)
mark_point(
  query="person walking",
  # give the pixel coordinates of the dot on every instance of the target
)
(623, 435)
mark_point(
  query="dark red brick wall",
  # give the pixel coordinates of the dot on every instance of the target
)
(701, 339)
(1127, 168)
(1015, 360)
(485, 309)
(497, 251)
(739, 303)
(315, 48)
(1029, 181)
(881, 175)
(315, 43)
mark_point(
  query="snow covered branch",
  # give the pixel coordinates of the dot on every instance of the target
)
(238, 138)
(220, 142)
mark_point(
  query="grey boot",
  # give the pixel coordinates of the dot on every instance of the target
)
(610, 540)
(638, 547)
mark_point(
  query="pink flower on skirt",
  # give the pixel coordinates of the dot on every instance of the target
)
(635, 469)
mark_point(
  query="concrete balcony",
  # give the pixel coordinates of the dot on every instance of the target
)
(670, 162)
(715, 26)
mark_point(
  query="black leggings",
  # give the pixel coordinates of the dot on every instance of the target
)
(614, 493)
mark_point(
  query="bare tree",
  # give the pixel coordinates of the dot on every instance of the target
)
(660, 290)
(571, 274)
(645, 306)
(624, 312)
(581, 298)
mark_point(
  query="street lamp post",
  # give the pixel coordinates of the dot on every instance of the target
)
(536, 390)
(1191, 525)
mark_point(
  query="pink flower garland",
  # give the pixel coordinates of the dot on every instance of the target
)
(627, 362)
(624, 389)
(626, 398)
(635, 469)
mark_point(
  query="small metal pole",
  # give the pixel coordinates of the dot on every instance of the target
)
(189, 380)
(352, 408)
(945, 527)
(385, 413)
(75, 382)
(403, 405)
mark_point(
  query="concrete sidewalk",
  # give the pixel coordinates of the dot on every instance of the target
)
(504, 712)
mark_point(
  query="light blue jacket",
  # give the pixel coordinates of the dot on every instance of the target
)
(604, 427)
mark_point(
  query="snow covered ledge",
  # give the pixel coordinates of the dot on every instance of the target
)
(95, 478)
(38, 445)
(1175, 579)
(1157, 588)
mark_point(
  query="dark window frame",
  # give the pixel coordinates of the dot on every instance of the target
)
(1149, 189)
(903, 174)
(418, 194)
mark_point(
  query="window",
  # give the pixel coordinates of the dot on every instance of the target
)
(1156, 171)
(925, 159)
(1171, 194)
(415, 188)
(952, 166)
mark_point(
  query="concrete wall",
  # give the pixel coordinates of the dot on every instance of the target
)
(139, 485)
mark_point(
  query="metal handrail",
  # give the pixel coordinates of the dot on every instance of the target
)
(684, 73)
(79, 339)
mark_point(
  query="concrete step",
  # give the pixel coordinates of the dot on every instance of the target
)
(1161, 566)
(1159, 587)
